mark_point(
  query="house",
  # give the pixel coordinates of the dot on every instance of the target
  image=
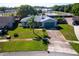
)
(76, 20)
(44, 9)
(46, 22)
(41, 22)
(54, 15)
(6, 22)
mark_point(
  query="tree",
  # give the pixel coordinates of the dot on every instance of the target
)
(56, 8)
(75, 9)
(40, 11)
(68, 8)
(32, 24)
(3, 9)
(25, 10)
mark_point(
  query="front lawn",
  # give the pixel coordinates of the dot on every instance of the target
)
(22, 46)
(68, 32)
(75, 46)
(24, 33)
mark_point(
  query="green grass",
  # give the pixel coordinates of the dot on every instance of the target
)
(75, 46)
(25, 33)
(68, 32)
(22, 46)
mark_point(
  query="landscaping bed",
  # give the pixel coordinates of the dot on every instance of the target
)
(21, 45)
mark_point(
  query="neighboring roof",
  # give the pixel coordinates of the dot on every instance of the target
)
(25, 19)
(62, 14)
(4, 20)
(43, 18)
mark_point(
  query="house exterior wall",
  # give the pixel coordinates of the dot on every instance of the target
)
(52, 22)
(24, 24)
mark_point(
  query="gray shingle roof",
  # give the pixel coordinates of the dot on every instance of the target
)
(43, 18)
(25, 19)
(5, 20)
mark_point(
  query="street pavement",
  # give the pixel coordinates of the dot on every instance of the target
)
(36, 53)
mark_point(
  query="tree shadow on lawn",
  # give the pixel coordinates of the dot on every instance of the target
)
(58, 28)
(55, 28)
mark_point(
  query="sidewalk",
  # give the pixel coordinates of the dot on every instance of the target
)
(76, 30)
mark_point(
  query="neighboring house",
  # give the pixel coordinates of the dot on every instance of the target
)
(11, 11)
(8, 12)
(45, 9)
(76, 20)
(41, 21)
(54, 15)
(6, 22)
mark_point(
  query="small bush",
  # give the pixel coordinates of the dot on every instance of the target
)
(38, 38)
(8, 37)
(46, 41)
(60, 19)
(16, 35)
(44, 30)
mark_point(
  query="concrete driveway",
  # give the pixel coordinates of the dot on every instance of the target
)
(69, 20)
(58, 43)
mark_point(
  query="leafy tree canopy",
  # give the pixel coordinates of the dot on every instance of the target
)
(25, 10)
(75, 9)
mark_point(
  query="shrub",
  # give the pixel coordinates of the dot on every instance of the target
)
(60, 19)
(16, 35)
(38, 38)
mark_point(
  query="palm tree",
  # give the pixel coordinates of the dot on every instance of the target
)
(32, 24)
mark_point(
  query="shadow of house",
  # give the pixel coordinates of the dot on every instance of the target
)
(6, 23)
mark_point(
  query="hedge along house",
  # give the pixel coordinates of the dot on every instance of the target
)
(5, 23)
(46, 22)
(40, 22)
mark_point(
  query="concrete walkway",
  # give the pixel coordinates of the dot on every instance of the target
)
(69, 20)
(58, 43)
(77, 42)
(4, 40)
(76, 30)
